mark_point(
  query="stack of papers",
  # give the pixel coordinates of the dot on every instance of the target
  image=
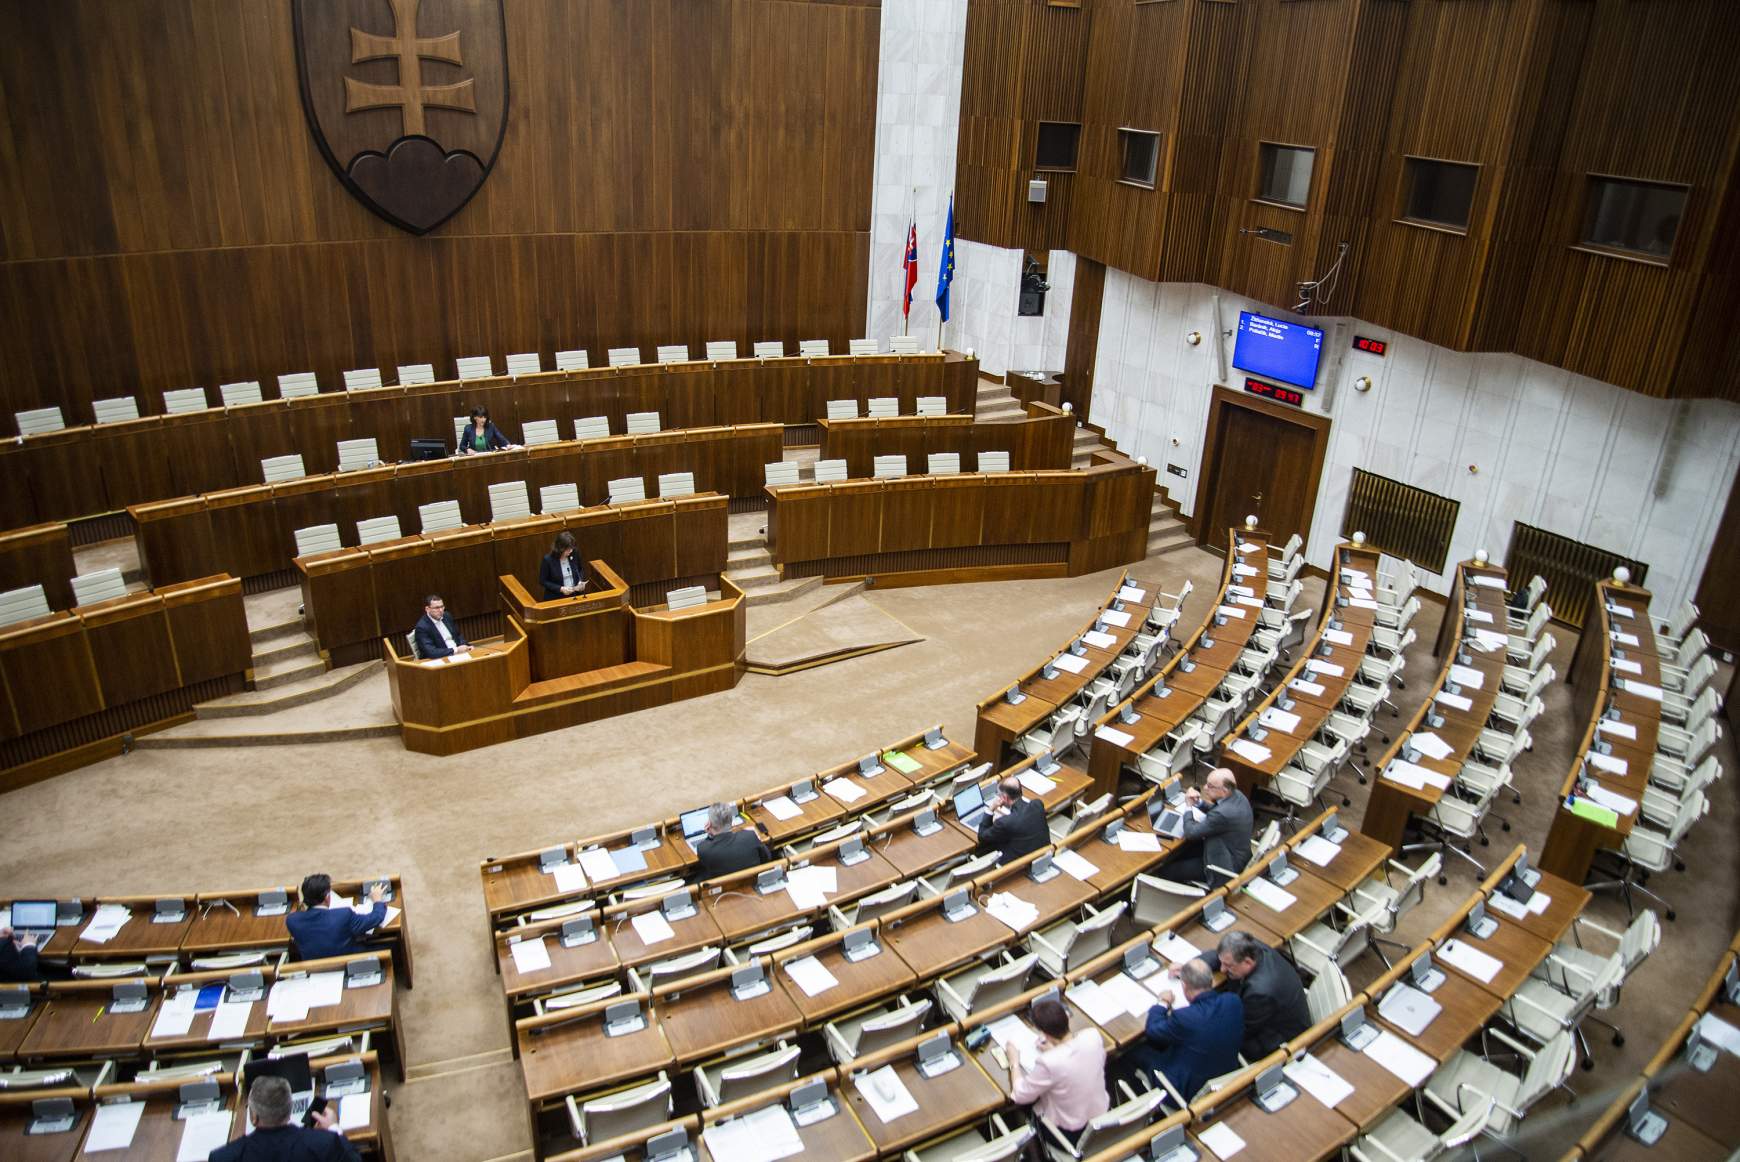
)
(1012, 1029)
(844, 789)
(175, 1018)
(1138, 841)
(1222, 1139)
(598, 865)
(1255, 752)
(1249, 547)
(782, 808)
(530, 955)
(1487, 580)
(1305, 687)
(1719, 1033)
(1131, 593)
(292, 997)
(762, 1136)
(353, 1110)
(1318, 1080)
(899, 1101)
(1071, 863)
(1070, 663)
(1318, 850)
(808, 887)
(1642, 689)
(1098, 640)
(570, 877)
(1486, 641)
(1612, 800)
(1281, 720)
(1614, 727)
(1429, 744)
(203, 1133)
(1454, 701)
(1338, 637)
(1409, 1009)
(1117, 617)
(652, 927)
(811, 975)
(1127, 992)
(1115, 737)
(105, 923)
(230, 1021)
(1480, 616)
(1400, 1058)
(1470, 960)
(1606, 762)
(1036, 782)
(1176, 949)
(1230, 611)
(1627, 666)
(1101, 1008)
(1276, 899)
(113, 1126)
(1536, 904)
(1413, 775)
(1467, 676)
(1012, 910)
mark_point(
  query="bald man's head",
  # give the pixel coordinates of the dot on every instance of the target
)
(1219, 784)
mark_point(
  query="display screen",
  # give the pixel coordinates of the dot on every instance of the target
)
(1270, 391)
(1373, 346)
(1277, 349)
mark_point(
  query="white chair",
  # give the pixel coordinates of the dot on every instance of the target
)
(416, 374)
(830, 471)
(903, 345)
(842, 409)
(741, 1077)
(769, 349)
(184, 400)
(870, 1030)
(1647, 851)
(1171, 754)
(933, 405)
(863, 347)
(674, 353)
(719, 350)
(686, 598)
(354, 454)
(1468, 1079)
(540, 432)
(993, 461)
(1385, 901)
(39, 420)
(623, 356)
(115, 411)
(297, 384)
(780, 472)
(844, 916)
(576, 360)
(376, 529)
(1675, 628)
(992, 1142)
(362, 379)
(1399, 1138)
(276, 468)
(439, 515)
(460, 423)
(237, 394)
(812, 348)
(18, 605)
(90, 588)
(509, 501)
(642, 423)
(1069, 943)
(883, 406)
(473, 367)
(525, 363)
(983, 986)
(558, 498)
(889, 467)
(943, 463)
(317, 539)
(1322, 945)
(1154, 901)
(1571, 966)
(1328, 993)
(626, 1111)
(592, 428)
(673, 484)
(627, 490)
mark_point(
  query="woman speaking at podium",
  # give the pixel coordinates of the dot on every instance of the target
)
(559, 571)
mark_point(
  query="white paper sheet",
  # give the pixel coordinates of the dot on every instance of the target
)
(1619, 729)
(1625, 639)
(570, 877)
(1487, 641)
(1480, 616)
(1487, 580)
(1138, 841)
(1012, 910)
(1413, 775)
(1177, 950)
(1467, 676)
(1114, 736)
(1409, 1009)
(203, 1133)
(811, 975)
(1036, 783)
(1317, 666)
(1117, 617)
(1612, 800)
(1101, 1007)
(1499, 902)
(1098, 640)
(288, 1000)
(113, 1126)
(1253, 602)
(531, 955)
(598, 865)
(1070, 663)
(1127, 992)
(1073, 864)
(1361, 603)
(105, 923)
(1627, 666)
(1241, 590)
(1642, 689)
(1243, 570)
(1166, 982)
(1429, 744)
(1255, 752)
(1470, 960)
(1249, 547)
(175, 1018)
(1222, 1139)
(230, 1020)
(1454, 701)
(1318, 1080)
(1013, 1029)
(1230, 611)
(1338, 637)
(354, 1110)
(844, 789)
(782, 808)
(808, 887)
(899, 1101)
(1318, 850)
(652, 927)
(1719, 1033)
(1608, 763)
(1276, 899)
(1400, 1058)
(1281, 720)
(1306, 687)
(1131, 593)
(324, 989)
(1622, 610)
(762, 1136)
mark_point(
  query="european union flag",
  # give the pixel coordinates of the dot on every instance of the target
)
(946, 265)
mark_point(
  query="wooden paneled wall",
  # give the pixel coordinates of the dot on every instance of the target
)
(1538, 93)
(671, 172)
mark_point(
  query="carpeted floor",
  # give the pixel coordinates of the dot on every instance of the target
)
(232, 818)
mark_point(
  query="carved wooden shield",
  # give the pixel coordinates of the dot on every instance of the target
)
(407, 98)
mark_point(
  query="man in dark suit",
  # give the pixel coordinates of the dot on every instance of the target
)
(1192, 1044)
(437, 633)
(18, 957)
(1217, 833)
(726, 849)
(274, 1139)
(320, 930)
(1013, 825)
(1274, 1000)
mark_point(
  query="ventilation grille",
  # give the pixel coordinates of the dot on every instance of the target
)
(1571, 569)
(1400, 519)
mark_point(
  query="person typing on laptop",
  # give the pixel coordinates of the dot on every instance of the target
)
(1012, 825)
(726, 849)
(1217, 833)
(320, 930)
(18, 956)
(276, 1139)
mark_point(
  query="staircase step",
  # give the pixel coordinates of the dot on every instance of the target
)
(278, 632)
(748, 555)
(781, 590)
(755, 577)
(287, 670)
(1169, 541)
(284, 648)
(252, 703)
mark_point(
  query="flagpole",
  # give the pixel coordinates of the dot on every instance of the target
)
(911, 224)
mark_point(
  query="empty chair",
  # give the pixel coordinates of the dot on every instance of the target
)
(460, 423)
(90, 588)
(1386, 901)
(317, 539)
(780, 472)
(638, 1107)
(943, 463)
(1173, 753)
(1399, 1138)
(863, 347)
(22, 604)
(1468, 1079)
(672, 484)
(184, 400)
(296, 384)
(1649, 851)
(933, 405)
(40, 420)
(844, 916)
(377, 529)
(525, 363)
(1069, 943)
(1279, 565)
(993, 462)
(830, 470)
(509, 501)
(115, 411)
(721, 349)
(1154, 901)
(354, 454)
(540, 432)
(362, 378)
(440, 514)
(575, 360)
(686, 598)
(623, 356)
(888, 467)
(870, 1030)
(675, 968)
(1322, 945)
(558, 497)
(627, 490)
(674, 353)
(236, 394)
(903, 345)
(983, 986)
(276, 468)
(812, 348)
(1082, 813)
(414, 374)
(883, 405)
(591, 428)
(740, 1077)
(770, 349)
(473, 367)
(842, 409)
(642, 423)
(1116, 1124)
(1329, 991)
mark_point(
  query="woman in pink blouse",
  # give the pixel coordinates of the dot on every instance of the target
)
(1066, 1081)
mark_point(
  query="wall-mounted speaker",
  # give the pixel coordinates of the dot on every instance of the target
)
(1036, 190)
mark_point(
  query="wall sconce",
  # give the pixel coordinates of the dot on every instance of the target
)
(1359, 538)
(1481, 557)
(1474, 470)
(1193, 338)
(1363, 383)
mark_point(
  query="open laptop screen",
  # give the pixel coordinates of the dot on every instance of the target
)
(968, 800)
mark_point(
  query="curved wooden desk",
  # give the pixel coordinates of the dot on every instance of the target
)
(1044, 440)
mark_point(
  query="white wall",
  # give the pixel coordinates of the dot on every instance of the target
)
(1634, 475)
(986, 304)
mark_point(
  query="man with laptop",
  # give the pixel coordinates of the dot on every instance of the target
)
(30, 929)
(725, 849)
(276, 1138)
(1009, 824)
(18, 956)
(1216, 830)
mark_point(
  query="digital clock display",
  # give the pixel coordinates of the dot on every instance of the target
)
(1374, 346)
(1271, 391)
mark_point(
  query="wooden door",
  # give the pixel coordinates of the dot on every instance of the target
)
(1718, 611)
(1259, 459)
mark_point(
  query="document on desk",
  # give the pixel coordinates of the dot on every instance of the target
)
(324, 989)
(1362, 603)
(1073, 864)
(1339, 637)
(1624, 639)
(1487, 641)
(113, 1126)
(901, 761)
(1114, 736)
(782, 808)
(1318, 850)
(1400, 1058)
(598, 864)
(1222, 1139)
(106, 923)
(288, 1000)
(1138, 841)
(1230, 611)
(1117, 617)
(1470, 960)
(1320, 667)
(1098, 640)
(1430, 744)
(652, 927)
(175, 1018)
(808, 887)
(1479, 616)
(1619, 729)
(899, 1101)
(1606, 762)
(1499, 902)
(230, 1020)
(1413, 775)
(1125, 990)
(844, 789)
(1266, 893)
(1012, 910)
(570, 877)
(1253, 602)
(1641, 689)
(1177, 950)
(1622, 610)
(1467, 676)
(1719, 1033)
(1036, 782)
(1307, 687)
(1131, 593)
(456, 659)
(1242, 591)
(1621, 805)
(1453, 701)
(531, 955)
(1408, 1009)
(203, 1133)
(1318, 1080)
(1487, 579)
(1070, 663)
(1005, 1030)
(1627, 666)
(1282, 720)
(1243, 570)
(354, 1110)
(1101, 1007)
(1351, 574)
(811, 975)
(1254, 752)
(762, 1136)
(1249, 547)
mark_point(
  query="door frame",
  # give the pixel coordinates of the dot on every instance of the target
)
(1208, 472)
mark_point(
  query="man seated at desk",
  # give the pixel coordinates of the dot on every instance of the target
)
(321, 930)
(1217, 833)
(725, 849)
(275, 1139)
(559, 571)
(1192, 1036)
(437, 632)
(1012, 825)
(1273, 999)
(1065, 1083)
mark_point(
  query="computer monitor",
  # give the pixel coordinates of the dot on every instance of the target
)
(969, 799)
(694, 822)
(33, 914)
(427, 449)
(293, 1069)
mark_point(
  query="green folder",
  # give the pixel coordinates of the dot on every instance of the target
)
(1595, 812)
(901, 762)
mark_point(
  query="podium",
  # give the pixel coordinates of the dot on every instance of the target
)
(564, 662)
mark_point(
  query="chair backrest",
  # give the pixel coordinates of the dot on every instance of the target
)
(617, 1114)
(828, 471)
(353, 454)
(676, 484)
(236, 394)
(473, 367)
(889, 898)
(721, 349)
(90, 588)
(888, 467)
(1550, 1068)
(943, 463)
(623, 356)
(883, 405)
(880, 1032)
(627, 490)
(770, 349)
(933, 405)
(1639, 939)
(972, 868)
(22, 604)
(842, 409)
(115, 411)
(687, 965)
(362, 378)
(1415, 889)
(674, 353)
(1691, 810)
(1002, 984)
(758, 1073)
(780, 941)
(687, 597)
(1329, 991)
(1684, 617)
(376, 529)
(509, 500)
(993, 461)
(525, 363)
(413, 374)
(1094, 934)
(276, 468)
(540, 432)
(575, 360)
(296, 384)
(903, 344)
(317, 539)
(780, 472)
(460, 423)
(1116, 1122)
(591, 427)
(863, 347)
(440, 514)
(812, 348)
(39, 420)
(558, 497)
(642, 423)
(183, 400)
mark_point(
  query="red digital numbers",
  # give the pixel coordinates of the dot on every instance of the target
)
(1374, 346)
(1272, 391)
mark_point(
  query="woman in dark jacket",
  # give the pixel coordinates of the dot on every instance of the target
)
(559, 571)
(480, 435)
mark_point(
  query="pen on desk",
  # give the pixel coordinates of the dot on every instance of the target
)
(100, 1009)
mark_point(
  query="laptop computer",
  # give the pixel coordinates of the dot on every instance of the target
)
(1169, 823)
(34, 919)
(970, 805)
(293, 1069)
